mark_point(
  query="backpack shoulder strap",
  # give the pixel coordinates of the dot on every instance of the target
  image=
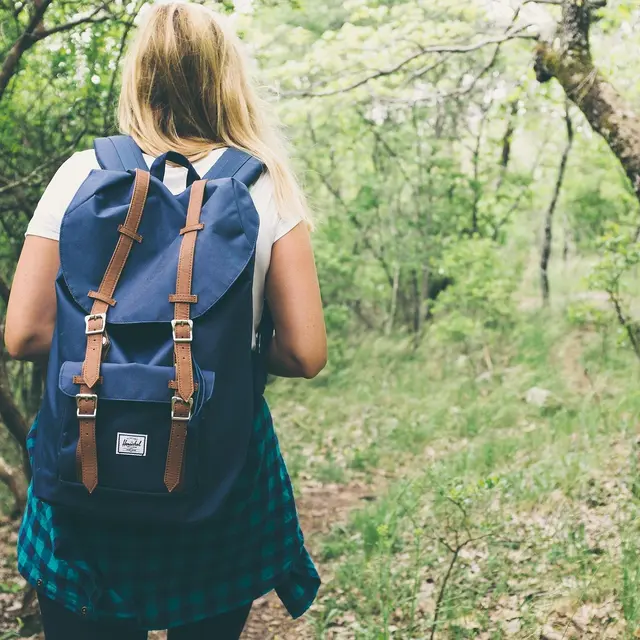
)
(119, 153)
(237, 164)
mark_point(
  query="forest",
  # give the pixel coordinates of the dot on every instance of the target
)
(467, 465)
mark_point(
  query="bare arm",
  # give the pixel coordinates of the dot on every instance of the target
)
(299, 347)
(31, 313)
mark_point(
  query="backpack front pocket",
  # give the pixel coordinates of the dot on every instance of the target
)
(133, 427)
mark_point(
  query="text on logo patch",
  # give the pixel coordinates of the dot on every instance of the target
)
(131, 444)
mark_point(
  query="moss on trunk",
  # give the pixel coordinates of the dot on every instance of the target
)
(569, 60)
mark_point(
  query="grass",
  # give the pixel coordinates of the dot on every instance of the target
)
(498, 518)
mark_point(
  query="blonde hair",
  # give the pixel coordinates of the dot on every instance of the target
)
(186, 88)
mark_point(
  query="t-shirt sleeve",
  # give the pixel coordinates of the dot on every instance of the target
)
(59, 193)
(264, 198)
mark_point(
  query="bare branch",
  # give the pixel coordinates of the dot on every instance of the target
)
(435, 49)
(61, 28)
(22, 44)
(424, 70)
(45, 33)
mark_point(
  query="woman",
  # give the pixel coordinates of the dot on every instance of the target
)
(185, 88)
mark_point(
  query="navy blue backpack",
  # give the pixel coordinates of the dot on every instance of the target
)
(152, 381)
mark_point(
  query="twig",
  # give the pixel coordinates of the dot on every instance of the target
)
(455, 551)
(624, 322)
(443, 587)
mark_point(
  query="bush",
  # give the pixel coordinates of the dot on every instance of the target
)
(480, 302)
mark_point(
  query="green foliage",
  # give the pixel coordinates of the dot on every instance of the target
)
(616, 273)
(586, 315)
(480, 302)
(605, 198)
(620, 253)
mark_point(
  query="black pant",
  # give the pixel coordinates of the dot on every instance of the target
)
(61, 624)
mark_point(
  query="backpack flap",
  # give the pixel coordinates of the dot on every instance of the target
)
(225, 246)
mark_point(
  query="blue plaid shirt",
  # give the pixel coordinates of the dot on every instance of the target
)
(166, 576)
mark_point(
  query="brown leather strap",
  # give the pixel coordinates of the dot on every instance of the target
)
(95, 323)
(193, 227)
(87, 404)
(182, 335)
(174, 385)
(98, 296)
(87, 400)
(131, 234)
(80, 380)
(192, 299)
(175, 451)
(182, 310)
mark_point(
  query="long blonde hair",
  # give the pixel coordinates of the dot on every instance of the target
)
(186, 88)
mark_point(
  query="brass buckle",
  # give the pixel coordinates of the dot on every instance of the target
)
(174, 401)
(95, 316)
(182, 323)
(87, 396)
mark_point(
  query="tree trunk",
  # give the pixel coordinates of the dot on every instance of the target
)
(11, 415)
(16, 484)
(548, 223)
(569, 60)
(507, 141)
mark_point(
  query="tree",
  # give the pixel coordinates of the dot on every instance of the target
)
(42, 44)
(567, 57)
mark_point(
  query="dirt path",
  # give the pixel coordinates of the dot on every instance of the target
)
(321, 506)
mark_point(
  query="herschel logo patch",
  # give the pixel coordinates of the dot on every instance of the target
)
(131, 444)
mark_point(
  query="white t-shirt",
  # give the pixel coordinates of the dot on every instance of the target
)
(47, 218)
